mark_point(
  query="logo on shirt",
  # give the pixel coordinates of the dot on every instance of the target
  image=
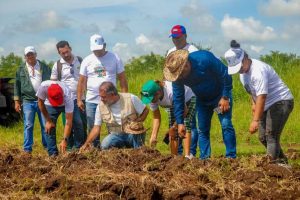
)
(100, 71)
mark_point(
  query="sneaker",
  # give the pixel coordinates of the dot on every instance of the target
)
(287, 166)
(189, 156)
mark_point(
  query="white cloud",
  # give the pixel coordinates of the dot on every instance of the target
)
(247, 29)
(123, 50)
(142, 40)
(291, 31)
(257, 49)
(1, 50)
(38, 22)
(47, 49)
(198, 16)
(281, 8)
(155, 43)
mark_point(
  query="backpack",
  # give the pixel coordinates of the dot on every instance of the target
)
(59, 67)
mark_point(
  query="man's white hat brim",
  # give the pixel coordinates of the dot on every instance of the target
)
(97, 47)
(234, 69)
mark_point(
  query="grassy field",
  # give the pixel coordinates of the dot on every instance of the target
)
(140, 72)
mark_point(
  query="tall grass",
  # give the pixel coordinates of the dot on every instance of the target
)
(148, 67)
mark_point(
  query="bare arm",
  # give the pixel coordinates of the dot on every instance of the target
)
(67, 131)
(49, 124)
(93, 134)
(143, 116)
(123, 82)
(258, 112)
(80, 89)
(155, 127)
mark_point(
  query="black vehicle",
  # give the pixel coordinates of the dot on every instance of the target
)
(8, 115)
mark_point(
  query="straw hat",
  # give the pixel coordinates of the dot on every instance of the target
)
(133, 127)
(174, 64)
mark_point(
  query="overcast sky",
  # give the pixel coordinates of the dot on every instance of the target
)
(137, 27)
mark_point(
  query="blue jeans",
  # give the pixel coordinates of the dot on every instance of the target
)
(205, 113)
(194, 139)
(123, 140)
(54, 113)
(29, 110)
(90, 117)
(78, 135)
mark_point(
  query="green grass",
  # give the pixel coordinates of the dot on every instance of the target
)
(139, 71)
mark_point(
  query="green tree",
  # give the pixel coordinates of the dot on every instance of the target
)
(9, 65)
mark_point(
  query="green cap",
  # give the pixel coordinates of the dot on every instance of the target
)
(148, 91)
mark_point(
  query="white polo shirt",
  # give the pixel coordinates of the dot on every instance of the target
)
(35, 75)
(68, 102)
(262, 79)
(69, 74)
(191, 48)
(98, 70)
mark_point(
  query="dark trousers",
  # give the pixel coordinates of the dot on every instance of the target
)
(271, 126)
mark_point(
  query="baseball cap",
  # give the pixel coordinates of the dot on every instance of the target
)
(29, 49)
(234, 58)
(55, 95)
(148, 91)
(96, 42)
(177, 31)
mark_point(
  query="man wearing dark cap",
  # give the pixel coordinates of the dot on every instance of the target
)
(179, 36)
(28, 79)
(208, 78)
(54, 97)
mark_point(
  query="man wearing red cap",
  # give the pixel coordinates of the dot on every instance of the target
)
(54, 97)
(178, 35)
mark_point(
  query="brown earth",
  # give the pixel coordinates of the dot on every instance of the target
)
(144, 174)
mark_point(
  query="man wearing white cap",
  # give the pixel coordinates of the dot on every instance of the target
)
(28, 79)
(100, 66)
(272, 101)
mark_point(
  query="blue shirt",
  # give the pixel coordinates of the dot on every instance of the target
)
(208, 79)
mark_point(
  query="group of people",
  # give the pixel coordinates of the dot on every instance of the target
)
(196, 84)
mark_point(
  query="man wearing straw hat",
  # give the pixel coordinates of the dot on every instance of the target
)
(123, 114)
(208, 78)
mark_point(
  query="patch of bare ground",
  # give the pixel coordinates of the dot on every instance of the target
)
(144, 174)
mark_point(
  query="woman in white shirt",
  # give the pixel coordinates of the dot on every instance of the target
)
(272, 101)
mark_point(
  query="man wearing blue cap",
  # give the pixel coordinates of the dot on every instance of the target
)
(178, 35)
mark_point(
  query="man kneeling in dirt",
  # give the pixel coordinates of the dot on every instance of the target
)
(123, 114)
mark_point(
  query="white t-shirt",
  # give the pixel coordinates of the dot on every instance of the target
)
(98, 70)
(68, 102)
(35, 75)
(262, 79)
(116, 110)
(167, 100)
(69, 74)
(191, 48)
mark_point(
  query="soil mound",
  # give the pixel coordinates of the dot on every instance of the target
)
(143, 174)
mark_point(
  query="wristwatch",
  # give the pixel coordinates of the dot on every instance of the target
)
(66, 139)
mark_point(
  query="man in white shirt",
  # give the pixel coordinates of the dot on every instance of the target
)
(27, 81)
(179, 39)
(96, 68)
(54, 97)
(123, 114)
(66, 70)
(272, 101)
